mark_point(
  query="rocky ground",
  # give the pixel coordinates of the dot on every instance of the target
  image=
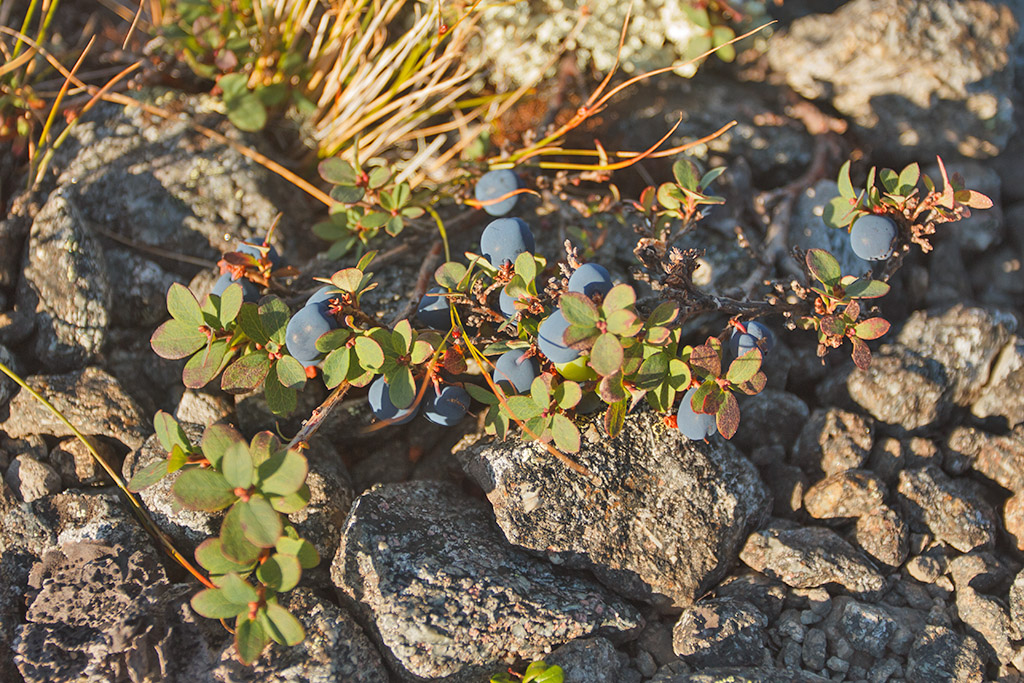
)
(861, 526)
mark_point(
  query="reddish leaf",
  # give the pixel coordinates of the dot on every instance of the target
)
(861, 353)
(872, 328)
(707, 359)
(728, 416)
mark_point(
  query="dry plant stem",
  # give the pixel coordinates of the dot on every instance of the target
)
(136, 505)
(319, 414)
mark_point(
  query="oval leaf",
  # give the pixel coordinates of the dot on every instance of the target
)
(290, 373)
(280, 572)
(216, 440)
(212, 604)
(174, 339)
(284, 628)
(237, 466)
(211, 557)
(578, 309)
(202, 489)
(823, 266)
(246, 373)
(606, 355)
(283, 473)
(183, 307)
(260, 523)
(250, 640)
(232, 539)
(872, 328)
(148, 475)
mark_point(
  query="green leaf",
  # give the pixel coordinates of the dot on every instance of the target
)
(481, 394)
(287, 505)
(839, 213)
(872, 328)
(246, 373)
(565, 434)
(526, 266)
(280, 399)
(213, 604)
(230, 304)
(183, 307)
(567, 395)
(845, 186)
(246, 112)
(335, 339)
(615, 417)
(402, 337)
(211, 557)
(174, 339)
(249, 321)
(664, 314)
(337, 171)
(290, 373)
(578, 309)
(606, 355)
(618, 297)
(720, 35)
(610, 388)
(347, 194)
(401, 387)
(539, 672)
(866, 289)
(284, 628)
(379, 176)
(653, 371)
(274, 316)
(202, 489)
(523, 407)
(300, 548)
(707, 359)
(336, 366)
(823, 266)
(670, 196)
(685, 173)
(260, 523)
(169, 432)
(623, 323)
(204, 365)
(744, 367)
(348, 279)
(232, 539)
(236, 466)
(264, 446)
(280, 572)
(369, 353)
(283, 473)
(250, 640)
(450, 274)
(148, 475)
(890, 181)
(217, 438)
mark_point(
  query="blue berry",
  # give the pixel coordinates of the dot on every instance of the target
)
(325, 293)
(383, 408)
(694, 426)
(757, 334)
(550, 339)
(434, 311)
(448, 407)
(511, 369)
(495, 184)
(506, 304)
(253, 250)
(250, 292)
(590, 279)
(872, 237)
(305, 328)
(505, 239)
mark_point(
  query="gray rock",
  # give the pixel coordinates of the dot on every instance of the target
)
(948, 508)
(1000, 458)
(1002, 396)
(721, 629)
(989, 622)
(14, 228)
(738, 674)
(850, 493)
(809, 557)
(335, 649)
(32, 479)
(996, 276)
(448, 598)
(813, 652)
(588, 660)
(140, 287)
(883, 535)
(868, 628)
(808, 230)
(921, 89)
(203, 409)
(891, 456)
(939, 654)
(104, 613)
(947, 280)
(65, 283)
(885, 669)
(964, 340)
(787, 484)
(832, 441)
(771, 418)
(8, 387)
(91, 399)
(76, 465)
(901, 389)
(663, 523)
(764, 593)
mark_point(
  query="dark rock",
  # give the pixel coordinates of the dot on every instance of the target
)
(8, 387)
(850, 493)
(990, 624)
(948, 508)
(941, 655)
(31, 479)
(766, 594)
(965, 341)
(996, 276)
(922, 89)
(771, 418)
(141, 286)
(901, 388)
(721, 630)
(663, 523)
(945, 281)
(76, 465)
(1016, 599)
(91, 399)
(832, 441)
(16, 327)
(813, 652)
(447, 597)
(65, 283)
(1002, 396)
(868, 628)
(14, 228)
(808, 230)
(587, 660)
(891, 456)
(1000, 458)
(787, 484)
(335, 649)
(108, 613)
(810, 557)
(738, 674)
(883, 535)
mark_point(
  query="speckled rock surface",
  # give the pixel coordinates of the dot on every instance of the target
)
(91, 399)
(997, 457)
(588, 660)
(31, 479)
(77, 466)
(832, 441)
(922, 89)
(721, 630)
(851, 493)
(770, 418)
(65, 283)
(335, 649)
(663, 524)
(939, 654)
(902, 390)
(808, 557)
(448, 598)
(948, 508)
(1003, 396)
(883, 534)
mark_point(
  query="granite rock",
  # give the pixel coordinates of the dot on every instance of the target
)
(948, 508)
(721, 629)
(833, 440)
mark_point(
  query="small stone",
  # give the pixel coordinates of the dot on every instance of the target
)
(789, 626)
(810, 557)
(902, 389)
(891, 456)
(32, 445)
(883, 535)
(1003, 396)
(947, 507)
(202, 408)
(645, 664)
(77, 466)
(771, 418)
(884, 669)
(868, 628)
(1013, 518)
(838, 665)
(927, 568)
(814, 652)
(15, 326)
(1016, 599)
(980, 570)
(791, 655)
(589, 659)
(787, 484)
(656, 639)
(941, 655)
(8, 387)
(32, 479)
(1000, 458)
(851, 493)
(832, 441)
(841, 648)
(766, 594)
(721, 630)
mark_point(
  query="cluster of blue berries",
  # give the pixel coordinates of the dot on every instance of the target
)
(444, 406)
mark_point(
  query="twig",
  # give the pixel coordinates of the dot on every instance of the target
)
(319, 414)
